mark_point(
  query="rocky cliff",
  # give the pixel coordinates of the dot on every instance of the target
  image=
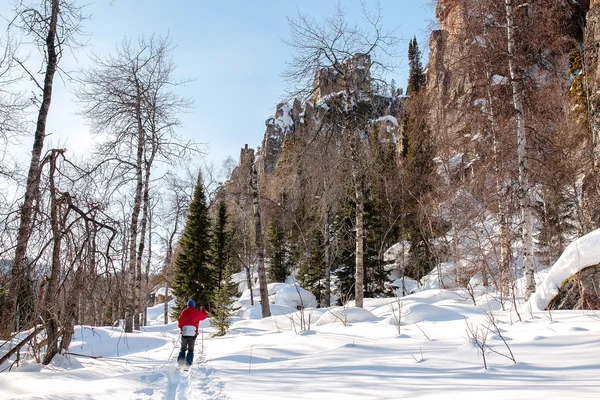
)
(449, 84)
(592, 45)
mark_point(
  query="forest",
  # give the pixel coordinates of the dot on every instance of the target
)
(479, 173)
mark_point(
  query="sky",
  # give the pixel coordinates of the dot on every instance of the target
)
(232, 50)
(434, 352)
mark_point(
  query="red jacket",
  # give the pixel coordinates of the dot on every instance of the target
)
(191, 316)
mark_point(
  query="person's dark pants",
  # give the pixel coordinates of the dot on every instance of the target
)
(187, 343)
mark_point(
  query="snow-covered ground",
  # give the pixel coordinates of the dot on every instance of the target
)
(341, 353)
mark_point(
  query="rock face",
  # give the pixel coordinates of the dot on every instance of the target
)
(592, 57)
(329, 80)
(280, 126)
(580, 292)
(449, 84)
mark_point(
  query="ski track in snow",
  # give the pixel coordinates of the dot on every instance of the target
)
(197, 384)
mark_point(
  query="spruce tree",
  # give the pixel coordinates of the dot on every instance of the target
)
(277, 253)
(311, 271)
(416, 76)
(220, 243)
(418, 152)
(194, 279)
(223, 305)
(221, 301)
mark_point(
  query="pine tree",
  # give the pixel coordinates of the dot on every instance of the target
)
(416, 77)
(393, 88)
(311, 271)
(220, 243)
(223, 305)
(418, 152)
(221, 301)
(418, 173)
(376, 277)
(277, 253)
(194, 279)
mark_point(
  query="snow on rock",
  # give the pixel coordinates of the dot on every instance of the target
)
(388, 118)
(419, 312)
(284, 121)
(255, 311)
(295, 296)
(442, 276)
(456, 160)
(409, 285)
(396, 251)
(499, 80)
(434, 295)
(273, 288)
(156, 313)
(283, 297)
(345, 315)
(583, 252)
(161, 291)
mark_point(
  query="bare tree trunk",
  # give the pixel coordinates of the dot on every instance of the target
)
(260, 255)
(458, 270)
(71, 311)
(142, 244)
(131, 311)
(9, 315)
(51, 309)
(144, 296)
(249, 283)
(524, 189)
(327, 241)
(90, 300)
(168, 258)
(360, 233)
(504, 267)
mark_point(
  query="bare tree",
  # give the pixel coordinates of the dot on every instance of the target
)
(172, 215)
(12, 104)
(53, 27)
(129, 97)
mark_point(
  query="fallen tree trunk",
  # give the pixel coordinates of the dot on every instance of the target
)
(22, 343)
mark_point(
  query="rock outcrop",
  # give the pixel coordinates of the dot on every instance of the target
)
(353, 75)
(294, 118)
(449, 84)
(579, 292)
(278, 127)
(592, 58)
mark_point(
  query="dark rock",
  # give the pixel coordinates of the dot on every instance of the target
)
(579, 292)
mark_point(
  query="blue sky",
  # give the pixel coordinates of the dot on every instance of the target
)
(233, 51)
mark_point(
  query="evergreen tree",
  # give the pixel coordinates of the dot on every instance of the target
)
(277, 253)
(343, 263)
(220, 243)
(223, 305)
(393, 88)
(416, 77)
(418, 176)
(376, 277)
(311, 271)
(221, 250)
(194, 279)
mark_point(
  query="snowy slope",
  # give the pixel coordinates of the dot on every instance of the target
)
(360, 354)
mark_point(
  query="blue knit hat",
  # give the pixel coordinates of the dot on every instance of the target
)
(191, 303)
